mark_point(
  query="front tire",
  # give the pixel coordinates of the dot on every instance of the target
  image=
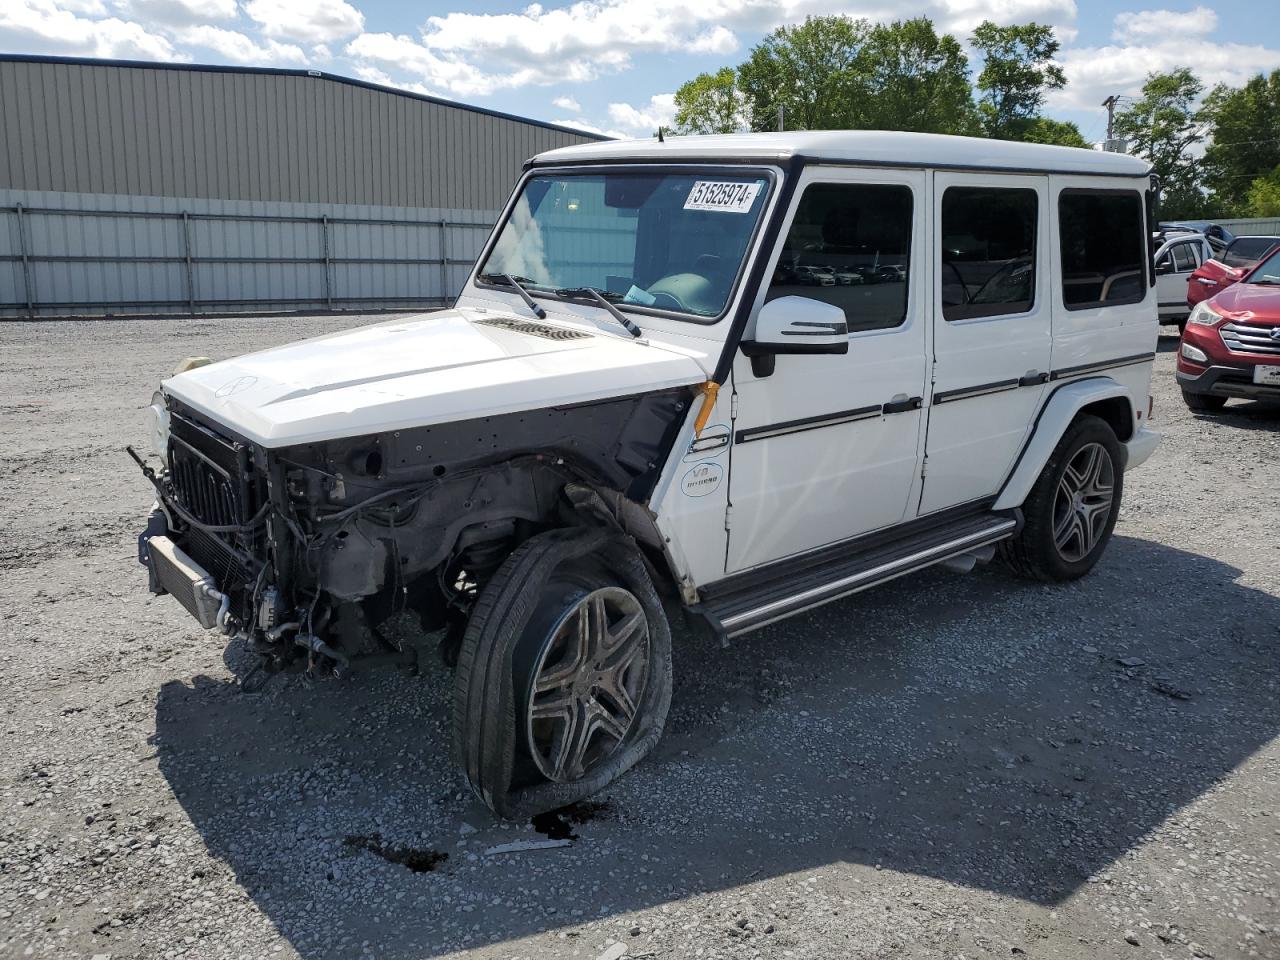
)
(564, 675)
(1072, 509)
(1203, 402)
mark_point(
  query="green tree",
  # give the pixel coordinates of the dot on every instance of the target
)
(711, 103)
(1244, 123)
(1059, 133)
(1262, 199)
(914, 80)
(809, 71)
(1017, 71)
(1162, 126)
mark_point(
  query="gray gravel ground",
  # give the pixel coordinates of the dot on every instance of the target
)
(952, 766)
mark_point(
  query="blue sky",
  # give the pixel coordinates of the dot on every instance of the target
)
(613, 65)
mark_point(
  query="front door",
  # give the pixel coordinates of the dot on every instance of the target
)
(991, 328)
(1174, 266)
(827, 447)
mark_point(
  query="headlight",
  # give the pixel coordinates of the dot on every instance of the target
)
(1191, 353)
(158, 424)
(1204, 315)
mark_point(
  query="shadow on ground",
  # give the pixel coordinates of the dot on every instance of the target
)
(986, 732)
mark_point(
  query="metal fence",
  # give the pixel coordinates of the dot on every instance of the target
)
(1259, 227)
(75, 260)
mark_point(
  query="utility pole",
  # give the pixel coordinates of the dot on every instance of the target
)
(781, 117)
(1110, 104)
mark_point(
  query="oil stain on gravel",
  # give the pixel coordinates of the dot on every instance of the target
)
(419, 861)
(559, 824)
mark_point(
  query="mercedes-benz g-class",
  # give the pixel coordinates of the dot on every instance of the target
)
(652, 395)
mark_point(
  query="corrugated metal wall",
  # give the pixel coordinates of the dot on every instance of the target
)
(1258, 227)
(229, 134)
(86, 254)
(144, 188)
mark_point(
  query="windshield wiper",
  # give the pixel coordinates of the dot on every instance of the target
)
(591, 293)
(1266, 283)
(517, 282)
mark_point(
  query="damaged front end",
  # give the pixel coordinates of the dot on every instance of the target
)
(303, 551)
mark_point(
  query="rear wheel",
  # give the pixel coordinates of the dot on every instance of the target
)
(1203, 402)
(564, 676)
(1071, 511)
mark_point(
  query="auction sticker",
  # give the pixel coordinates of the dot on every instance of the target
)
(701, 480)
(722, 196)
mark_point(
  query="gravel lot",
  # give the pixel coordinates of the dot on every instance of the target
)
(951, 766)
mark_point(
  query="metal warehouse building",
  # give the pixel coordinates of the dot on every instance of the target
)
(159, 188)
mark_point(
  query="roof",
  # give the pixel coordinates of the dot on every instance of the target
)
(284, 72)
(862, 147)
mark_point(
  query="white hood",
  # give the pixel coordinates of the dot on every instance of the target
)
(433, 368)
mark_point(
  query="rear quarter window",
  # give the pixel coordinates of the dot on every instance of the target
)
(1104, 250)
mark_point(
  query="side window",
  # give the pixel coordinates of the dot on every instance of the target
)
(1103, 248)
(988, 251)
(1184, 257)
(850, 245)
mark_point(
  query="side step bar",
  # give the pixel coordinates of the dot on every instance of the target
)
(752, 600)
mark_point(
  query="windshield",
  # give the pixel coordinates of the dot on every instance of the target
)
(668, 241)
(1268, 271)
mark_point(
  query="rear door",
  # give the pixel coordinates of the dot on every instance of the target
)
(991, 331)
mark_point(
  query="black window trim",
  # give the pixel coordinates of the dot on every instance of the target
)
(787, 221)
(752, 250)
(1146, 262)
(1035, 254)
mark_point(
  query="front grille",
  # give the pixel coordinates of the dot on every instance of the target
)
(211, 478)
(208, 474)
(1242, 338)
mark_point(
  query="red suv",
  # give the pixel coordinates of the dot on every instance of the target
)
(1215, 275)
(1231, 345)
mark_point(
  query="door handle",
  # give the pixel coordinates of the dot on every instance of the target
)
(1206, 281)
(902, 405)
(1033, 378)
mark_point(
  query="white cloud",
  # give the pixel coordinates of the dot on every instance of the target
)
(239, 48)
(1094, 73)
(567, 103)
(176, 13)
(579, 124)
(473, 54)
(41, 26)
(374, 75)
(449, 71)
(716, 40)
(660, 112)
(1161, 24)
(309, 21)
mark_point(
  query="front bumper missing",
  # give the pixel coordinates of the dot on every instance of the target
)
(173, 572)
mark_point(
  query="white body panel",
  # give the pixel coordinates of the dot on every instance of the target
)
(973, 439)
(802, 489)
(419, 371)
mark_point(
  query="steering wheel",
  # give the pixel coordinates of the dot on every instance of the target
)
(683, 292)
(668, 301)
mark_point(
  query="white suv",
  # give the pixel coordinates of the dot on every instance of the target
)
(636, 405)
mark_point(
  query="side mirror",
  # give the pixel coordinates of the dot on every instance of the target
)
(795, 325)
(1164, 266)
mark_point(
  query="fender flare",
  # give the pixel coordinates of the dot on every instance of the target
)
(1051, 423)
